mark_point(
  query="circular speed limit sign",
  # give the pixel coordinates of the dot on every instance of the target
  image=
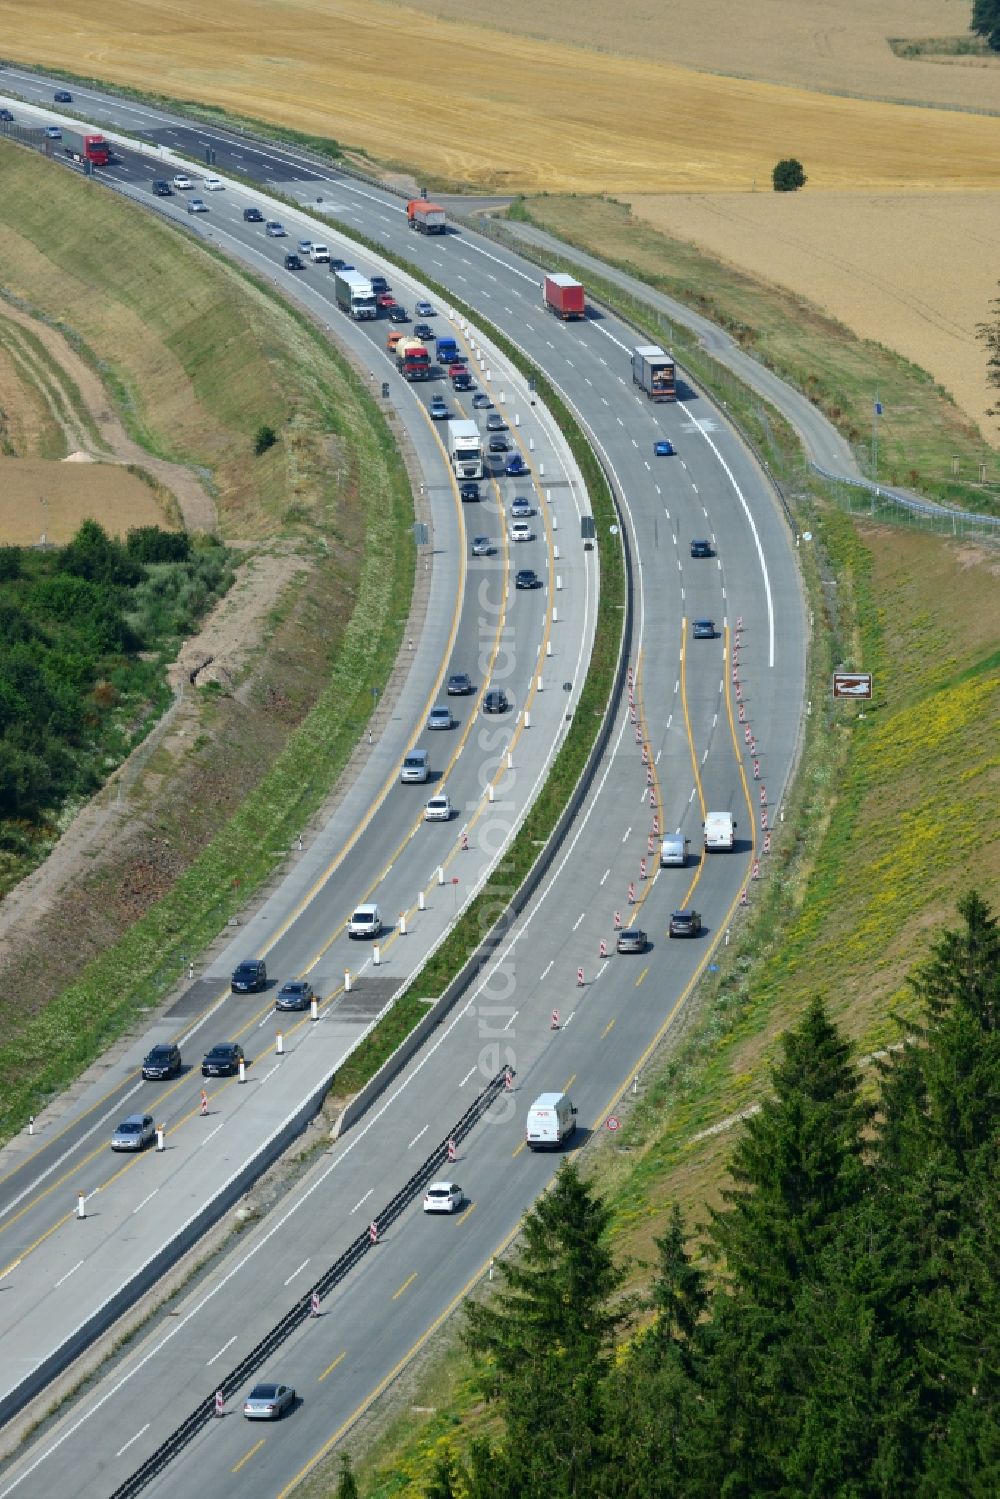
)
(613, 1123)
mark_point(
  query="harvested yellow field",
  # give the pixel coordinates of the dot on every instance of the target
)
(914, 271)
(499, 111)
(40, 500)
(843, 48)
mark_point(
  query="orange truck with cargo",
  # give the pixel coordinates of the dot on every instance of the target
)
(426, 218)
(412, 359)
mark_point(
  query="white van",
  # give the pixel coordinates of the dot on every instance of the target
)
(320, 254)
(673, 851)
(365, 922)
(720, 830)
(416, 766)
(551, 1120)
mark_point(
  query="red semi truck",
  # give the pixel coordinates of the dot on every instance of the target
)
(426, 217)
(92, 148)
(564, 296)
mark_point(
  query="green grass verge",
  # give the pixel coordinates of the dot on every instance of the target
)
(379, 1045)
(921, 431)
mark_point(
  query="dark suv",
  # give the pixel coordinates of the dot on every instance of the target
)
(252, 216)
(162, 189)
(250, 976)
(162, 1061)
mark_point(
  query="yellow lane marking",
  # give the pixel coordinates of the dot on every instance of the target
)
(515, 1153)
(468, 1212)
(641, 977)
(607, 1028)
(408, 1282)
(248, 1455)
(739, 763)
(687, 718)
(569, 1082)
(330, 1367)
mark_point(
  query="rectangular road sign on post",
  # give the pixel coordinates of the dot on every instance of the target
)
(852, 684)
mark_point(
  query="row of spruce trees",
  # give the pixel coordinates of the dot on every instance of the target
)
(837, 1332)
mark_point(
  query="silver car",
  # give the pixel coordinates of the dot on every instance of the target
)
(134, 1133)
(440, 718)
(268, 1402)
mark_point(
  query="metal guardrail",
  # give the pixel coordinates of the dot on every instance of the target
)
(204, 1411)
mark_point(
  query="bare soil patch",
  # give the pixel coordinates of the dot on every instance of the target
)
(913, 271)
(42, 501)
(80, 406)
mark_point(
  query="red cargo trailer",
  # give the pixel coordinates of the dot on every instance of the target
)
(564, 296)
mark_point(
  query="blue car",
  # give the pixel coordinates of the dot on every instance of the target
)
(515, 467)
(663, 448)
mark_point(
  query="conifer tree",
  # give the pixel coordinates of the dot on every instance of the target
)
(543, 1342)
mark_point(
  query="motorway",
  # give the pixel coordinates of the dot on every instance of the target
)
(689, 717)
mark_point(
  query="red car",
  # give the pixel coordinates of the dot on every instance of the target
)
(386, 299)
(457, 367)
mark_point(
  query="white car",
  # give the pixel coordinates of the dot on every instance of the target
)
(438, 809)
(213, 184)
(443, 1197)
(182, 182)
(521, 531)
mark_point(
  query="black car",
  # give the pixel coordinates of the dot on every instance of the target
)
(703, 629)
(496, 701)
(293, 262)
(701, 549)
(249, 976)
(5, 114)
(398, 314)
(469, 492)
(162, 1061)
(339, 265)
(526, 577)
(685, 924)
(460, 684)
(223, 1060)
(297, 994)
(379, 284)
(499, 444)
(63, 96)
(252, 216)
(162, 189)
(423, 330)
(462, 381)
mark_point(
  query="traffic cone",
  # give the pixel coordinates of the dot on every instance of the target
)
(603, 948)
(554, 1022)
(204, 1103)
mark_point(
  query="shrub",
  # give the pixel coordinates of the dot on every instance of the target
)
(788, 176)
(148, 544)
(265, 438)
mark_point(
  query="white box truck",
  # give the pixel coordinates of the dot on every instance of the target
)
(551, 1120)
(354, 294)
(720, 830)
(465, 449)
